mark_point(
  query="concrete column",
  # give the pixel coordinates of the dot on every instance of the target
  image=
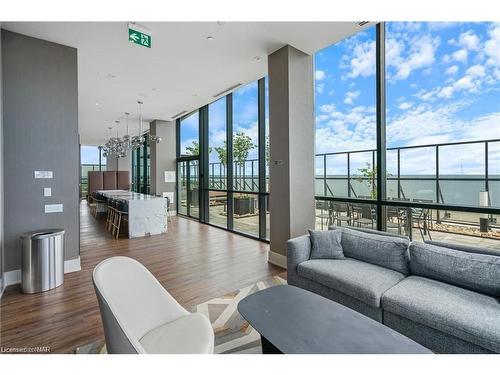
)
(111, 163)
(291, 140)
(163, 158)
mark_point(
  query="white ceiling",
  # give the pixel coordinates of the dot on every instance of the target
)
(181, 72)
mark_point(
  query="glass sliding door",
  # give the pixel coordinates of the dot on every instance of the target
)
(223, 162)
(188, 167)
(193, 189)
(182, 182)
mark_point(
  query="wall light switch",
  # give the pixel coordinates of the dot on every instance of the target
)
(52, 208)
(47, 192)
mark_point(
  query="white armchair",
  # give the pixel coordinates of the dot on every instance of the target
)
(140, 316)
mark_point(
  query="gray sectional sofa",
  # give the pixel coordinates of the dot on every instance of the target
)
(444, 296)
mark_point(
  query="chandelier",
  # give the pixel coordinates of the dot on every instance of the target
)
(119, 147)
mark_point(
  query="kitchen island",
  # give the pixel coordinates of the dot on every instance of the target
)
(147, 214)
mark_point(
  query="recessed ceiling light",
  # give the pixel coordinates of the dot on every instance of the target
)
(195, 94)
(96, 103)
(111, 75)
(153, 89)
(110, 127)
(210, 38)
(221, 23)
(257, 58)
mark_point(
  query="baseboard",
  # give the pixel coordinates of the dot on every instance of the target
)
(72, 265)
(14, 277)
(276, 259)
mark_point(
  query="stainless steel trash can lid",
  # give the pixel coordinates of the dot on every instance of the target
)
(43, 233)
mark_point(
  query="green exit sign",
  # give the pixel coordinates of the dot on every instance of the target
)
(139, 37)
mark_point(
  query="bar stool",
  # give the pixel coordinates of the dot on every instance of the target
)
(111, 214)
(120, 217)
(92, 205)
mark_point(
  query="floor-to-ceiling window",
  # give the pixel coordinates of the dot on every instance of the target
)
(246, 159)
(217, 163)
(141, 169)
(437, 120)
(222, 153)
(345, 97)
(91, 159)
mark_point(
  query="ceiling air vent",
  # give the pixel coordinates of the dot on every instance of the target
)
(179, 114)
(363, 23)
(227, 90)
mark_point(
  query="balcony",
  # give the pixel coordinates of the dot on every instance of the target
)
(428, 181)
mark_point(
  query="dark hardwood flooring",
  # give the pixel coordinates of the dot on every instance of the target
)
(194, 262)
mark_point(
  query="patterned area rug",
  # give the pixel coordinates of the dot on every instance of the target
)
(233, 334)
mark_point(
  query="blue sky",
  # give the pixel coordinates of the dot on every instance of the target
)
(90, 155)
(245, 117)
(443, 85)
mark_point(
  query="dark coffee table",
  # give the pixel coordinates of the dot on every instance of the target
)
(296, 321)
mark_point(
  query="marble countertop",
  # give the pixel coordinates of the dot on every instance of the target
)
(127, 195)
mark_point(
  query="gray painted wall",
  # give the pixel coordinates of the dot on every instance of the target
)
(40, 101)
(291, 139)
(163, 157)
(1, 174)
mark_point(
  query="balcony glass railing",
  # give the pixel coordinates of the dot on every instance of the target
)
(429, 179)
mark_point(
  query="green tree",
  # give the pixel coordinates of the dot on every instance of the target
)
(369, 173)
(194, 148)
(242, 144)
(222, 153)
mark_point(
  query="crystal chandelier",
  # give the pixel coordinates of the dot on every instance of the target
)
(119, 147)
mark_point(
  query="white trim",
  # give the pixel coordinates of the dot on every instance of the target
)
(14, 277)
(72, 265)
(276, 259)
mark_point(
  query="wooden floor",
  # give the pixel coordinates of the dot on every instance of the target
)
(194, 262)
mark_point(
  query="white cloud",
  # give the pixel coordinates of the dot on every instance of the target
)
(319, 75)
(363, 62)
(320, 87)
(421, 55)
(471, 82)
(469, 40)
(327, 108)
(405, 105)
(492, 46)
(460, 55)
(452, 70)
(350, 96)
(476, 70)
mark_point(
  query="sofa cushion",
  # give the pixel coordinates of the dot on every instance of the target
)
(477, 272)
(325, 244)
(372, 231)
(466, 248)
(363, 281)
(386, 251)
(465, 314)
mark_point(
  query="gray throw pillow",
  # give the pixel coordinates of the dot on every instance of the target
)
(385, 251)
(325, 244)
(477, 272)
